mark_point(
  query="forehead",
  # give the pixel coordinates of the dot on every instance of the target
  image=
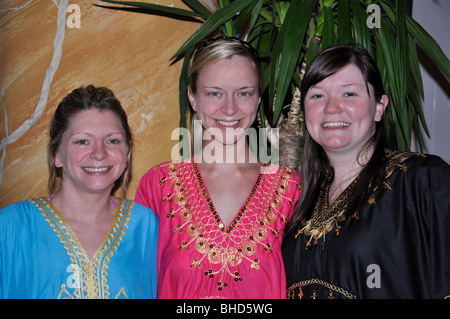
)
(348, 75)
(232, 66)
(95, 120)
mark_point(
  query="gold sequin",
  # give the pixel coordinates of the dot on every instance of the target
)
(226, 247)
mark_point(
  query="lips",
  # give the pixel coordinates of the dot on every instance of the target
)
(335, 124)
(96, 169)
(227, 123)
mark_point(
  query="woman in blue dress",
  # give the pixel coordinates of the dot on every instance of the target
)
(81, 241)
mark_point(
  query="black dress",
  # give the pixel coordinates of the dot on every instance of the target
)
(398, 246)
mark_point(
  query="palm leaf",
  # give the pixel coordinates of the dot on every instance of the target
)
(360, 29)
(286, 50)
(157, 7)
(328, 38)
(344, 23)
(198, 7)
(425, 41)
(213, 23)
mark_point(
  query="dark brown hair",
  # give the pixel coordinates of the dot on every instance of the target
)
(79, 100)
(315, 163)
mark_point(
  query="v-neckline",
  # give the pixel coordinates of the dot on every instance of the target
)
(243, 208)
(80, 249)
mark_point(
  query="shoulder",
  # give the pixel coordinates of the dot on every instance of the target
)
(428, 161)
(417, 163)
(165, 169)
(140, 211)
(18, 214)
(282, 173)
(17, 209)
(422, 173)
(284, 180)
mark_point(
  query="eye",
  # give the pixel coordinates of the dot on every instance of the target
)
(114, 141)
(244, 94)
(349, 94)
(316, 96)
(214, 94)
(81, 142)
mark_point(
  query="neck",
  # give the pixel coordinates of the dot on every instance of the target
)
(79, 205)
(347, 167)
(348, 163)
(237, 154)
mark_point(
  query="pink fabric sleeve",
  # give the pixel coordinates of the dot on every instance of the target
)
(145, 193)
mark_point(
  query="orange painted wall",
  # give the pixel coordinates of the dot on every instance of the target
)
(126, 51)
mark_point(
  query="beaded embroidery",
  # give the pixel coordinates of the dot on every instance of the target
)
(225, 248)
(324, 219)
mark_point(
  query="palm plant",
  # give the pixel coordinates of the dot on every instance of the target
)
(289, 34)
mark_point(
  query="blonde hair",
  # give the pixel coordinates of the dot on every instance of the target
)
(213, 50)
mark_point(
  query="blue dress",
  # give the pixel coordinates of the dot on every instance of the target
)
(40, 256)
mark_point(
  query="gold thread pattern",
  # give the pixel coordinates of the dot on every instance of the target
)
(293, 294)
(92, 273)
(325, 218)
(222, 247)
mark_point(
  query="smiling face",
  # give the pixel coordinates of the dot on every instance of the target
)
(341, 111)
(93, 151)
(226, 98)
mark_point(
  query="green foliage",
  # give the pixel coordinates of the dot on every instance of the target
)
(288, 34)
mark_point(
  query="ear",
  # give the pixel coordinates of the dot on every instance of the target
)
(57, 159)
(191, 98)
(381, 106)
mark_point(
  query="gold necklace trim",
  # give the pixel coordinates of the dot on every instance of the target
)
(324, 219)
(300, 284)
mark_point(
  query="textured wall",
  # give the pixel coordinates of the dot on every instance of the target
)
(42, 59)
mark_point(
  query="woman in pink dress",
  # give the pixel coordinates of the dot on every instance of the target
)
(222, 212)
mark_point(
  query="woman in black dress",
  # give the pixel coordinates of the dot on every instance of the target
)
(371, 222)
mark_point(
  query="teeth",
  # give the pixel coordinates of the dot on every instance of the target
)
(223, 123)
(95, 170)
(335, 124)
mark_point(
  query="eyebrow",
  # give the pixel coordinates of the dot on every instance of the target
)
(90, 134)
(344, 85)
(219, 88)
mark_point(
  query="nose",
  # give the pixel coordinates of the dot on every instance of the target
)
(98, 152)
(229, 106)
(332, 106)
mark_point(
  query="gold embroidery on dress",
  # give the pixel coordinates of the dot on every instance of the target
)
(295, 290)
(92, 277)
(325, 218)
(224, 247)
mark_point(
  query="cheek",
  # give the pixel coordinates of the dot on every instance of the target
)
(311, 114)
(120, 155)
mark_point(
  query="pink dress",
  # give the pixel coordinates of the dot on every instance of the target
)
(197, 256)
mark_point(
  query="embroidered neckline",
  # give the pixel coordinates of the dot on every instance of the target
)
(220, 249)
(211, 207)
(90, 274)
(324, 219)
(71, 234)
